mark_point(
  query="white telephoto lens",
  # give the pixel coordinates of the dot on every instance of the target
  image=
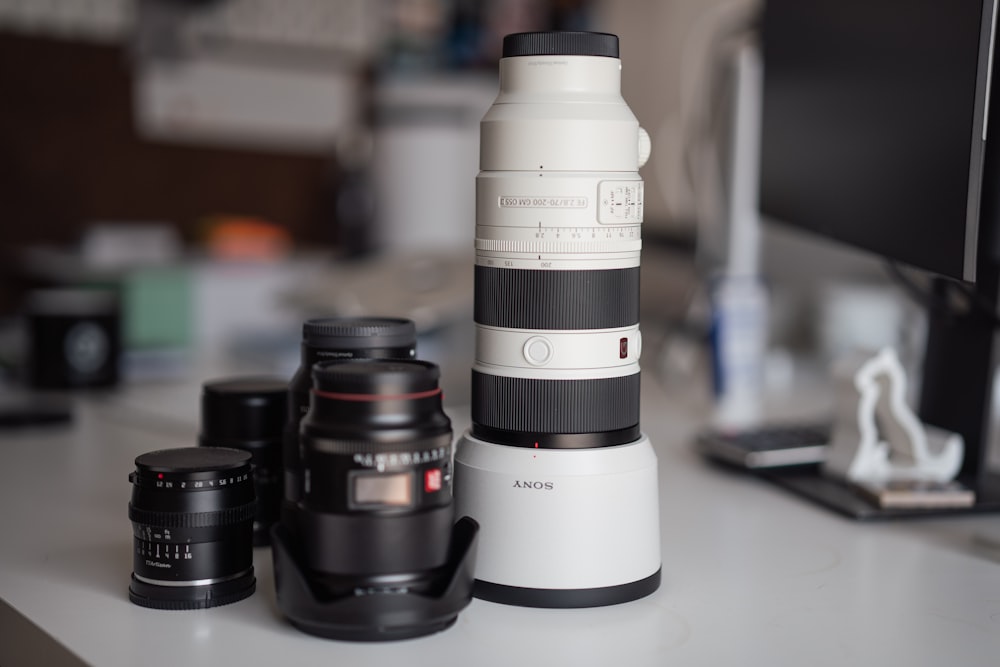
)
(559, 205)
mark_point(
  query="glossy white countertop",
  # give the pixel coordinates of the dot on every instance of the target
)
(751, 575)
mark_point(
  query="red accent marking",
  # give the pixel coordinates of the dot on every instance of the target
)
(623, 348)
(432, 480)
(377, 397)
(536, 445)
(159, 475)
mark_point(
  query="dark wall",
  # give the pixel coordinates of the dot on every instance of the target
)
(69, 154)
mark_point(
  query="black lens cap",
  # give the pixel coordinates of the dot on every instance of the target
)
(359, 333)
(242, 412)
(560, 43)
(191, 460)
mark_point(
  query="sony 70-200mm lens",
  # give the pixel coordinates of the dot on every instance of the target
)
(558, 220)
(192, 517)
(559, 210)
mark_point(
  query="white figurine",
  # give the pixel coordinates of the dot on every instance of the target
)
(877, 437)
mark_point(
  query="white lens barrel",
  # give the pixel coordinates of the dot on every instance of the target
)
(563, 221)
(574, 354)
(559, 208)
(554, 467)
(559, 113)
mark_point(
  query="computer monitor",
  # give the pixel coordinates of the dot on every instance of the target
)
(875, 125)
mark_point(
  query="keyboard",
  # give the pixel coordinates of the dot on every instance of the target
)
(768, 446)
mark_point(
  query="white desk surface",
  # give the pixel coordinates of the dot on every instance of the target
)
(751, 575)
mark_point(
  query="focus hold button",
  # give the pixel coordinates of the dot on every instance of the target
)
(537, 350)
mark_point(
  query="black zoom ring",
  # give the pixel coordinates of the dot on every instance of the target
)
(559, 300)
(555, 406)
(218, 518)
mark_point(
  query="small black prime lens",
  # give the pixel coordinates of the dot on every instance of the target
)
(192, 514)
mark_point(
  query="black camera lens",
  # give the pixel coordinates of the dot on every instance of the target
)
(376, 553)
(376, 453)
(192, 521)
(249, 413)
(329, 339)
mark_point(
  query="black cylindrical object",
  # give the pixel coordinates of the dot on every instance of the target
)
(249, 413)
(374, 529)
(376, 454)
(563, 43)
(327, 339)
(75, 338)
(192, 519)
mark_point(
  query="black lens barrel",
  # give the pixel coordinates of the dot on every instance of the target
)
(371, 550)
(249, 413)
(376, 420)
(555, 414)
(334, 338)
(377, 401)
(192, 517)
(556, 300)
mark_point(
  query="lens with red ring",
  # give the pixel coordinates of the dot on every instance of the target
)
(376, 453)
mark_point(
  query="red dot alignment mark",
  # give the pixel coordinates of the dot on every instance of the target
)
(159, 475)
(535, 456)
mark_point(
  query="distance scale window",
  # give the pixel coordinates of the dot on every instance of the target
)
(394, 490)
(619, 202)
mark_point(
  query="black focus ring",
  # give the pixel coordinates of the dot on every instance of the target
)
(555, 406)
(560, 44)
(218, 518)
(559, 300)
